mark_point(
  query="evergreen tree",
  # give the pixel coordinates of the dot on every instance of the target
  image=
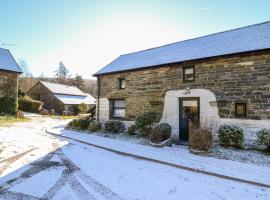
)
(79, 82)
(62, 73)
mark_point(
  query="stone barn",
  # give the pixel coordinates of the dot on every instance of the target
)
(223, 77)
(9, 72)
(60, 97)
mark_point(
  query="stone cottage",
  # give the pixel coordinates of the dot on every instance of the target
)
(60, 97)
(223, 76)
(9, 72)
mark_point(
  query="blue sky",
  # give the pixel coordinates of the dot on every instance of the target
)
(86, 35)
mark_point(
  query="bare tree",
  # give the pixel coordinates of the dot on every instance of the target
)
(24, 67)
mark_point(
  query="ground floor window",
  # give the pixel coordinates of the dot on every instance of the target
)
(241, 110)
(119, 106)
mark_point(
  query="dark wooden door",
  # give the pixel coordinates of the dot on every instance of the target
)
(189, 109)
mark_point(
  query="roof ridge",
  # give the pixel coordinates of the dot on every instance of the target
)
(59, 84)
(243, 27)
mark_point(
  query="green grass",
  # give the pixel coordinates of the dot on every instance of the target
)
(62, 116)
(8, 120)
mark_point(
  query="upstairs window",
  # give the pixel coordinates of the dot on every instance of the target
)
(119, 106)
(188, 74)
(122, 83)
(240, 110)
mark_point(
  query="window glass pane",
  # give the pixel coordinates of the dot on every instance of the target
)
(240, 109)
(190, 103)
(122, 83)
(119, 112)
(188, 74)
(189, 71)
(119, 103)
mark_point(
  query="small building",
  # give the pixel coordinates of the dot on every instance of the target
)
(60, 97)
(223, 77)
(9, 72)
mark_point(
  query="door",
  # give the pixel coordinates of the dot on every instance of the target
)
(189, 109)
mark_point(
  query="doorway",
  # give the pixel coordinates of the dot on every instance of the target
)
(189, 109)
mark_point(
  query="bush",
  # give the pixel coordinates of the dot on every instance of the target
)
(231, 136)
(8, 105)
(160, 133)
(73, 124)
(29, 105)
(84, 122)
(264, 138)
(81, 123)
(114, 126)
(70, 124)
(201, 136)
(83, 108)
(131, 130)
(145, 122)
(94, 126)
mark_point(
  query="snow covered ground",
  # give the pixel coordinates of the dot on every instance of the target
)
(36, 165)
(177, 155)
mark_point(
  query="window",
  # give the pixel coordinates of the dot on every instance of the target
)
(240, 110)
(119, 108)
(122, 83)
(188, 74)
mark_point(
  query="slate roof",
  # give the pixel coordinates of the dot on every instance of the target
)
(7, 62)
(246, 39)
(75, 100)
(63, 89)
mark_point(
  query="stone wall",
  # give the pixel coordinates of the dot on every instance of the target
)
(8, 84)
(238, 78)
(41, 93)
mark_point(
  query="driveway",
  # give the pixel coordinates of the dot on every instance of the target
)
(35, 165)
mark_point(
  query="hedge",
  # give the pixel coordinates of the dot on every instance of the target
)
(8, 105)
(29, 105)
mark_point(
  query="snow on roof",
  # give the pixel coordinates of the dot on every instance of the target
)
(63, 89)
(245, 39)
(75, 100)
(7, 62)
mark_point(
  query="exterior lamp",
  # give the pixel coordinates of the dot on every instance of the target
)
(187, 90)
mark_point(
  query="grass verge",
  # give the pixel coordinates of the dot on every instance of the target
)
(8, 120)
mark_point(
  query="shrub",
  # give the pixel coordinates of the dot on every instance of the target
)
(21, 93)
(230, 136)
(114, 126)
(201, 136)
(73, 124)
(83, 123)
(264, 138)
(145, 122)
(160, 133)
(131, 130)
(94, 126)
(29, 105)
(83, 108)
(69, 125)
(8, 105)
